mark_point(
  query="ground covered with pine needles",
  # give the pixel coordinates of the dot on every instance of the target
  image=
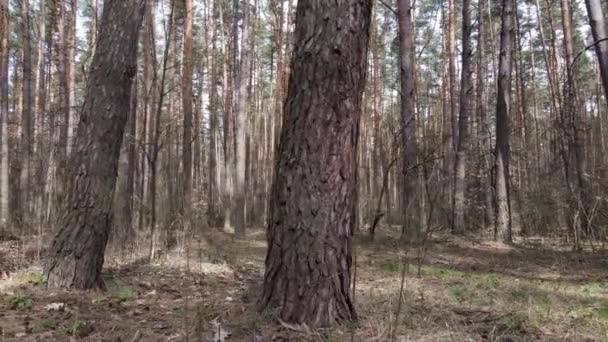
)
(454, 290)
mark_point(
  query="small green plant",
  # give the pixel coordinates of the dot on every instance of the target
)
(44, 325)
(390, 267)
(21, 303)
(601, 313)
(34, 278)
(79, 328)
(442, 272)
(515, 323)
(459, 292)
(124, 293)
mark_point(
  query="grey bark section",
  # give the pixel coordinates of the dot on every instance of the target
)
(503, 125)
(599, 30)
(76, 254)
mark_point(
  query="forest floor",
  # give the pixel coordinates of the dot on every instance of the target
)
(458, 290)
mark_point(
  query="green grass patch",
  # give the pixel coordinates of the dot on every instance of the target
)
(601, 313)
(444, 273)
(21, 303)
(117, 289)
(79, 328)
(390, 267)
(34, 278)
(44, 325)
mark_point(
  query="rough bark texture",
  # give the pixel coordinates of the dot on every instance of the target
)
(241, 129)
(4, 54)
(408, 115)
(76, 254)
(503, 110)
(187, 107)
(599, 29)
(27, 110)
(466, 90)
(312, 200)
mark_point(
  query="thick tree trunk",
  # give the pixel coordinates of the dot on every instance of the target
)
(310, 229)
(466, 90)
(76, 254)
(599, 29)
(503, 111)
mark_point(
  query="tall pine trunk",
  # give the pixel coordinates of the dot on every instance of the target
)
(466, 90)
(76, 254)
(503, 130)
(313, 195)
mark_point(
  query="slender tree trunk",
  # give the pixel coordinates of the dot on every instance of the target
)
(187, 96)
(77, 252)
(241, 128)
(156, 135)
(503, 111)
(572, 120)
(27, 110)
(599, 30)
(212, 184)
(484, 140)
(4, 56)
(466, 90)
(313, 194)
(408, 116)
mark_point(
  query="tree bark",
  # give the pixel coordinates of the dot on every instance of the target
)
(599, 30)
(503, 111)
(187, 96)
(27, 110)
(466, 90)
(76, 254)
(312, 200)
(4, 55)
(408, 117)
(241, 128)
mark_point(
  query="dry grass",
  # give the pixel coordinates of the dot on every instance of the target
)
(466, 291)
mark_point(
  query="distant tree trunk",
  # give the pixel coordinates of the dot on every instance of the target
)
(70, 70)
(4, 55)
(466, 90)
(155, 140)
(503, 111)
(149, 79)
(599, 29)
(241, 128)
(278, 19)
(212, 184)
(40, 128)
(26, 106)
(187, 96)
(484, 140)
(408, 116)
(312, 197)
(452, 95)
(76, 254)
(131, 165)
(571, 121)
(93, 27)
